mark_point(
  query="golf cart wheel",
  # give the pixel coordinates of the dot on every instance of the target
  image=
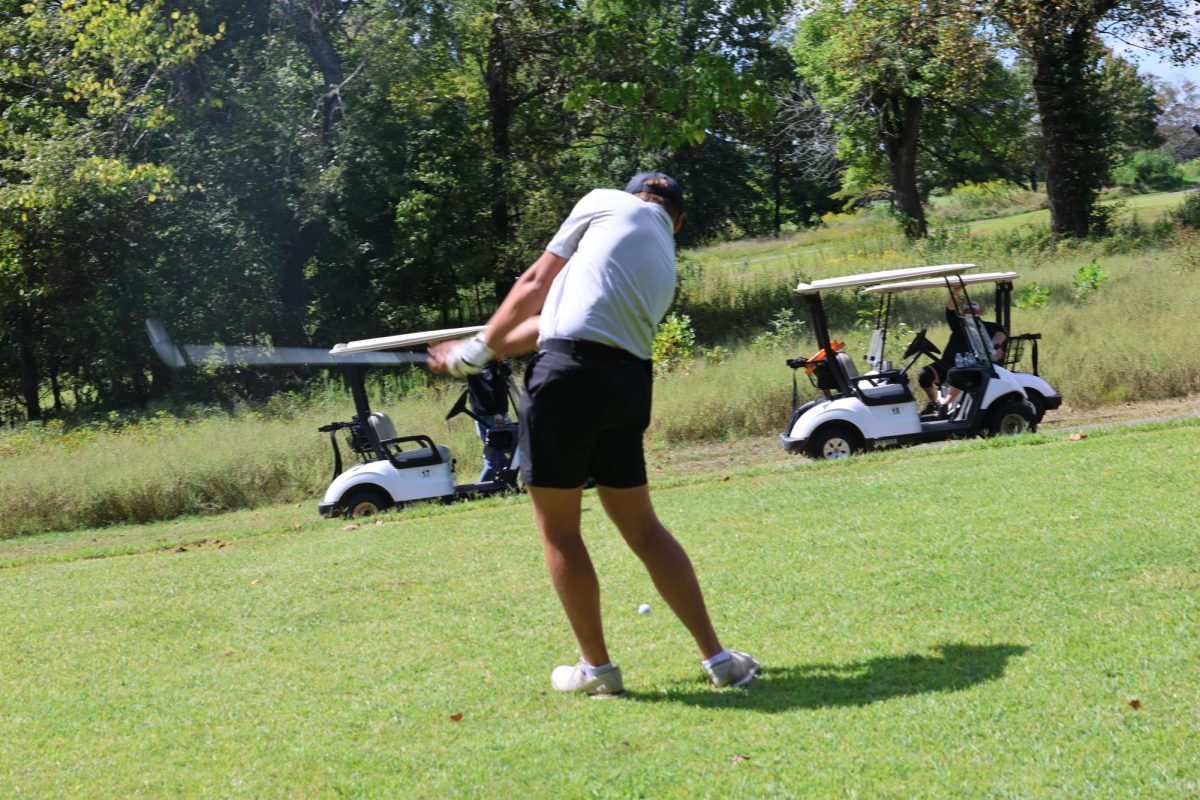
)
(364, 503)
(1012, 419)
(835, 441)
(1039, 405)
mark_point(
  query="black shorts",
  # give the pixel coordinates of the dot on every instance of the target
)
(583, 414)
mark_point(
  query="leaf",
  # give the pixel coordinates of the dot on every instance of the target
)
(739, 759)
(351, 527)
(1135, 703)
(457, 717)
(1077, 437)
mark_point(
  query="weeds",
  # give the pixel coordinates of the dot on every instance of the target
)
(1088, 279)
(784, 331)
(674, 344)
(1031, 296)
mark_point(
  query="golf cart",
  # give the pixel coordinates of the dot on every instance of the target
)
(1039, 392)
(395, 470)
(877, 409)
(391, 470)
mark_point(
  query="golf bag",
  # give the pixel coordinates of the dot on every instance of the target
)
(488, 399)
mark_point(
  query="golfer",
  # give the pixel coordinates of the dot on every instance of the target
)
(590, 305)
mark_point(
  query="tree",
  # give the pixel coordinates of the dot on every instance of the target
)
(876, 66)
(89, 89)
(1060, 39)
(1181, 110)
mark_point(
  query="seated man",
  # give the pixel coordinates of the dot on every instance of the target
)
(933, 375)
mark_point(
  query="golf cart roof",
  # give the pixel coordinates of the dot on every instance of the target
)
(869, 278)
(405, 340)
(941, 283)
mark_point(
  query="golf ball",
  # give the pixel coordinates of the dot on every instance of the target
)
(644, 609)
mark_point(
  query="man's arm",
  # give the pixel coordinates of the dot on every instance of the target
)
(524, 300)
(512, 330)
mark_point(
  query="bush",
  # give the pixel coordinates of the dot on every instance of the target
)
(1149, 171)
(784, 331)
(1187, 214)
(1088, 279)
(674, 343)
(972, 201)
(1102, 220)
(1031, 296)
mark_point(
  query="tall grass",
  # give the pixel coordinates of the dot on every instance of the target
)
(1131, 338)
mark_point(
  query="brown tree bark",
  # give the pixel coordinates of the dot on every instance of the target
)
(31, 382)
(304, 235)
(900, 120)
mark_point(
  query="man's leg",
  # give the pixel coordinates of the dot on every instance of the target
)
(557, 512)
(665, 559)
(929, 380)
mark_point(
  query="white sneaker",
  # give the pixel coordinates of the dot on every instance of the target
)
(736, 671)
(605, 683)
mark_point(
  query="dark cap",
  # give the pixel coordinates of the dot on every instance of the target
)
(659, 184)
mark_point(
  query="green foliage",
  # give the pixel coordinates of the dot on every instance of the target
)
(782, 333)
(903, 82)
(1149, 171)
(971, 201)
(1187, 214)
(674, 343)
(1088, 279)
(1031, 296)
(1190, 170)
(1102, 219)
(1094, 107)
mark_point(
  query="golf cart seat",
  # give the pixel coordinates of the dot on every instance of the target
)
(878, 389)
(385, 432)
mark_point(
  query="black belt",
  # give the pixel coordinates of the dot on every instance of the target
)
(587, 349)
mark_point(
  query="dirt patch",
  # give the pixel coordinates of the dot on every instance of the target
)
(715, 457)
(1144, 411)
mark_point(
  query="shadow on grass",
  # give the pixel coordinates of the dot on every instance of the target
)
(957, 667)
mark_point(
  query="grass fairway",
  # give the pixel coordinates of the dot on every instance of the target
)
(1147, 207)
(965, 621)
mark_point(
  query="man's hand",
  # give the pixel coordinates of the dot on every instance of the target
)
(460, 358)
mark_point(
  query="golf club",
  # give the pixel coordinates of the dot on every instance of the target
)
(195, 355)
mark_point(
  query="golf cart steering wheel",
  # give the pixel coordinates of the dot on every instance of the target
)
(921, 345)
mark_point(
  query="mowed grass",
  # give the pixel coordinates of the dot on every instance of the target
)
(976, 620)
(1146, 208)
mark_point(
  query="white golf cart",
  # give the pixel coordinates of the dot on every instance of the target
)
(392, 470)
(1038, 390)
(877, 409)
(396, 470)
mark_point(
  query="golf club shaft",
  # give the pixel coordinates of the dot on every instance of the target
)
(211, 355)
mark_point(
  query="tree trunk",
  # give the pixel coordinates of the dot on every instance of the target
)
(300, 245)
(1070, 132)
(900, 124)
(777, 193)
(501, 105)
(304, 237)
(30, 375)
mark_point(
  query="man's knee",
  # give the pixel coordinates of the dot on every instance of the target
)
(927, 377)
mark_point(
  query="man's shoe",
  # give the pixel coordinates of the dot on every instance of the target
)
(935, 410)
(605, 683)
(737, 670)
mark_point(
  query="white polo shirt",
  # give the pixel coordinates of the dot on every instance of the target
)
(620, 278)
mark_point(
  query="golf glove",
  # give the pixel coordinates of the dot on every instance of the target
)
(469, 358)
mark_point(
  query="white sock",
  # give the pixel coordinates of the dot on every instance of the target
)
(594, 671)
(719, 658)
